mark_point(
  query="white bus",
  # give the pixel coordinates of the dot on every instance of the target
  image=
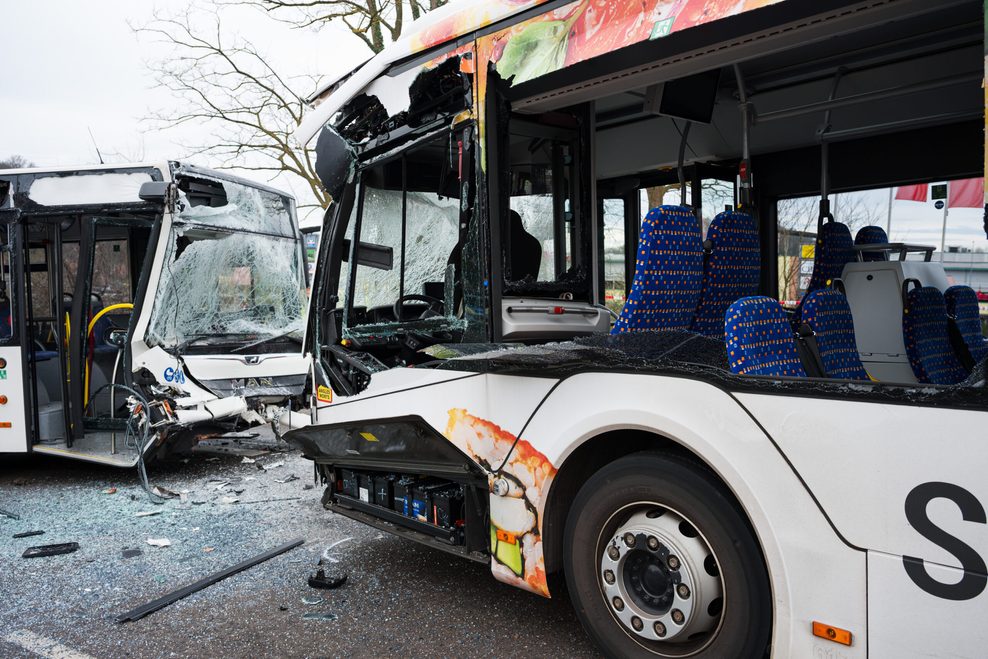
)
(144, 307)
(546, 330)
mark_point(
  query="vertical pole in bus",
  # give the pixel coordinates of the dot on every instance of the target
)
(889, 229)
(744, 171)
(943, 231)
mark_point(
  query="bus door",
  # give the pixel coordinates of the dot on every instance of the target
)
(14, 430)
(102, 279)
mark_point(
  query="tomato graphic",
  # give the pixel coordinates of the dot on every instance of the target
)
(704, 11)
(603, 26)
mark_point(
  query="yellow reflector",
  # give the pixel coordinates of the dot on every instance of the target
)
(368, 436)
(835, 634)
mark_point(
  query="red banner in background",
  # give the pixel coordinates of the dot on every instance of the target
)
(912, 192)
(966, 193)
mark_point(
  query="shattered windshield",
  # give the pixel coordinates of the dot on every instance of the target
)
(233, 271)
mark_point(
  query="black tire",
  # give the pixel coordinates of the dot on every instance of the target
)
(745, 622)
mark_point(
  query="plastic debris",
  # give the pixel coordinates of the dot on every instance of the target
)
(229, 500)
(320, 580)
(208, 549)
(28, 534)
(7, 513)
(249, 461)
(50, 550)
(287, 479)
(272, 465)
(314, 615)
(312, 601)
(147, 513)
(164, 493)
(159, 542)
(110, 490)
(131, 553)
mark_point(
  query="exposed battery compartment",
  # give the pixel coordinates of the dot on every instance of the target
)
(440, 512)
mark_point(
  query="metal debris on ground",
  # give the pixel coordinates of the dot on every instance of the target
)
(131, 553)
(159, 542)
(270, 500)
(50, 550)
(7, 513)
(229, 500)
(147, 513)
(273, 465)
(320, 580)
(319, 616)
(308, 486)
(28, 534)
(174, 596)
(249, 461)
(312, 601)
(287, 479)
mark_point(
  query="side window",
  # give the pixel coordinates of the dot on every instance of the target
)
(544, 236)
(6, 287)
(111, 272)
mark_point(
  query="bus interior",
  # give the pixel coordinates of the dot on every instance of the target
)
(590, 167)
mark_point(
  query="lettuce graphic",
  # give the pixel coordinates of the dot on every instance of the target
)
(539, 48)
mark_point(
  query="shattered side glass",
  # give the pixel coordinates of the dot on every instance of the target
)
(233, 271)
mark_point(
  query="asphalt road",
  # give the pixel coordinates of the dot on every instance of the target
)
(400, 598)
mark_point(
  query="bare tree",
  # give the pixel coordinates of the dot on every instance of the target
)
(375, 22)
(227, 82)
(797, 226)
(15, 162)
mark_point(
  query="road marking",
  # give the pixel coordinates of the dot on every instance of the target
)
(42, 646)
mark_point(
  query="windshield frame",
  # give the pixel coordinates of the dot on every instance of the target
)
(176, 225)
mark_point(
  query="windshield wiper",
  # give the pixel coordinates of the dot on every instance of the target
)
(196, 338)
(266, 339)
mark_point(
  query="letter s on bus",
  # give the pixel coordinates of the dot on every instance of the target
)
(975, 572)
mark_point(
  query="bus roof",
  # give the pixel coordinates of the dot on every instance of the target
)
(440, 26)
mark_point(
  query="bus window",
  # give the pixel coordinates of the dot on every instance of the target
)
(6, 289)
(616, 281)
(410, 210)
(543, 239)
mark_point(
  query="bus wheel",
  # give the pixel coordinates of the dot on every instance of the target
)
(660, 563)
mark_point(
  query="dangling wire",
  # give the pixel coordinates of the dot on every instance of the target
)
(138, 431)
(684, 134)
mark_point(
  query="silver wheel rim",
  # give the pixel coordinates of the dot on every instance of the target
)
(660, 579)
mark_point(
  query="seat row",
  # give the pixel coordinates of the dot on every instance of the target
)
(683, 282)
(942, 334)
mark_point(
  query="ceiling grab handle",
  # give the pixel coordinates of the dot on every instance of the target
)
(744, 168)
(825, 214)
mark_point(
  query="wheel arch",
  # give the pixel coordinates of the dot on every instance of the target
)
(597, 451)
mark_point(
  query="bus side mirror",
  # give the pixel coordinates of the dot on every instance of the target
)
(154, 191)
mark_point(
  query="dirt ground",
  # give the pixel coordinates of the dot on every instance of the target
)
(400, 598)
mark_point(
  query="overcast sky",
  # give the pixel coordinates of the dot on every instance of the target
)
(71, 66)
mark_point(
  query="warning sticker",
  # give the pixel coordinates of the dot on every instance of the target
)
(324, 394)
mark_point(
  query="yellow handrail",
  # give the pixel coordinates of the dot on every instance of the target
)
(92, 324)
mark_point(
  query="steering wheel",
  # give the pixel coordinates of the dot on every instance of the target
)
(435, 307)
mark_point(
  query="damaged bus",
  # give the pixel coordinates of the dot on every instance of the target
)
(144, 308)
(547, 334)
